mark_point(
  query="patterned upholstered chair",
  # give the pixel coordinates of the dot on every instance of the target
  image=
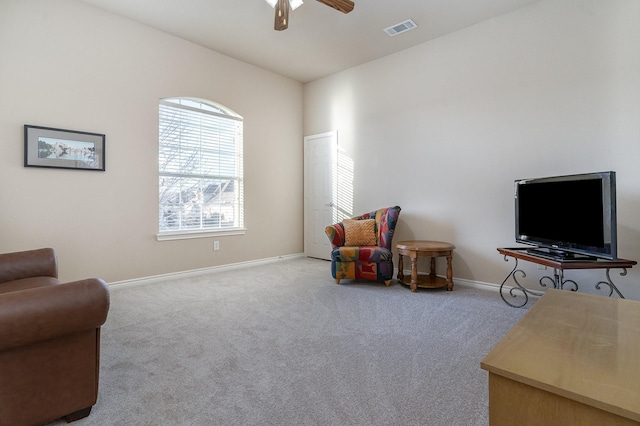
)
(362, 246)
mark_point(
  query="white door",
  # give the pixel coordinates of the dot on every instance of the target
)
(320, 165)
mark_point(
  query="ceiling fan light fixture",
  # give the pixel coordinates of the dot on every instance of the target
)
(281, 20)
(283, 7)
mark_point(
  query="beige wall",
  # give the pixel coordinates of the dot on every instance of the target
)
(67, 65)
(443, 129)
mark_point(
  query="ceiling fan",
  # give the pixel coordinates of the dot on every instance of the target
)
(283, 7)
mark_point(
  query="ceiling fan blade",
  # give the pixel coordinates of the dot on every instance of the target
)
(281, 20)
(344, 6)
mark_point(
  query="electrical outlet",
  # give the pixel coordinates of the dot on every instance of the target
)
(216, 245)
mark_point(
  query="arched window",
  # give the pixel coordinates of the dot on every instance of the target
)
(200, 165)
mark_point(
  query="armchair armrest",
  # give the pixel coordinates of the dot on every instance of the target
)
(42, 313)
(27, 264)
(335, 233)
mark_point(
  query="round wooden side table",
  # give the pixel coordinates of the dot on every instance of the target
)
(432, 249)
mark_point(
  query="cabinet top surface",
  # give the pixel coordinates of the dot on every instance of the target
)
(580, 346)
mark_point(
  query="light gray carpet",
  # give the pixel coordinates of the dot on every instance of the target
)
(282, 344)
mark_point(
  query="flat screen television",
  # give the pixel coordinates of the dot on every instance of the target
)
(568, 217)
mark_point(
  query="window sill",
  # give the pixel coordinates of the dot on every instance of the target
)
(186, 235)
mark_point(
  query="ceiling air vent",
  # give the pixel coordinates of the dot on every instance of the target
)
(400, 28)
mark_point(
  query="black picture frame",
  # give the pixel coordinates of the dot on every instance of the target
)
(63, 149)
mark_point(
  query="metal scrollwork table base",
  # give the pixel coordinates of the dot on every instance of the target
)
(558, 281)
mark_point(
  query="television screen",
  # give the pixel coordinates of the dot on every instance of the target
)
(568, 215)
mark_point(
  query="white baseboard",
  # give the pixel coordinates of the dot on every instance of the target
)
(476, 284)
(196, 272)
(461, 281)
(233, 266)
(493, 287)
(479, 284)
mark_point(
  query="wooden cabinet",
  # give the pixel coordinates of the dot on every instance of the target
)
(573, 359)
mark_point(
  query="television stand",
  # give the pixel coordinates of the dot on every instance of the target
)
(559, 265)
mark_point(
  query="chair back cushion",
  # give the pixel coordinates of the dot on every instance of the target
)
(386, 220)
(385, 225)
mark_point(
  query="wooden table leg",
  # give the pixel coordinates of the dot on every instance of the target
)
(414, 272)
(400, 267)
(432, 272)
(449, 273)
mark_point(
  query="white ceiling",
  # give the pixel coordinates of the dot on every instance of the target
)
(319, 41)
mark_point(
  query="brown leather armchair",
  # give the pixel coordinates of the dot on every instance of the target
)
(49, 340)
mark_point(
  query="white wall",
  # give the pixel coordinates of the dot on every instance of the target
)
(68, 65)
(443, 129)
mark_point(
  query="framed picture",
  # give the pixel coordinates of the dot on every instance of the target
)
(63, 149)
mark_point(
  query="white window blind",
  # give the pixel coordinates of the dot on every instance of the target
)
(200, 167)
